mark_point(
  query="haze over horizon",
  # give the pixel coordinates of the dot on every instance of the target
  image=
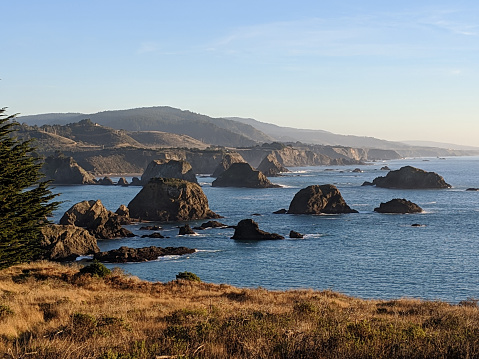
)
(394, 71)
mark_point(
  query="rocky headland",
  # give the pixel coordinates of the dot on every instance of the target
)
(126, 254)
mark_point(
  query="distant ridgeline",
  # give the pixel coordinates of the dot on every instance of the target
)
(138, 136)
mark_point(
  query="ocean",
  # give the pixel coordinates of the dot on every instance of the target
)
(365, 254)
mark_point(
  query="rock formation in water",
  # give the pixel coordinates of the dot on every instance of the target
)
(186, 229)
(122, 182)
(126, 254)
(64, 170)
(294, 234)
(170, 199)
(317, 199)
(211, 224)
(169, 169)
(105, 181)
(65, 243)
(227, 160)
(242, 175)
(409, 177)
(99, 221)
(247, 229)
(271, 167)
(398, 205)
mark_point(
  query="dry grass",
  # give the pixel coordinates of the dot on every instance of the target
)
(49, 310)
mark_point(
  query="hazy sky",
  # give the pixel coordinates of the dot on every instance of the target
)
(391, 69)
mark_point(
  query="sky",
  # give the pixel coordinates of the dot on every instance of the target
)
(403, 70)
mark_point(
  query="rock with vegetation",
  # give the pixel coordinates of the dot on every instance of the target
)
(65, 170)
(242, 175)
(271, 167)
(126, 254)
(168, 169)
(66, 242)
(317, 199)
(247, 229)
(228, 159)
(398, 205)
(170, 199)
(99, 221)
(409, 177)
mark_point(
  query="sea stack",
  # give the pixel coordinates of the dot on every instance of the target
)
(318, 199)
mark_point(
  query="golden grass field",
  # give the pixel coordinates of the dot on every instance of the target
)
(49, 310)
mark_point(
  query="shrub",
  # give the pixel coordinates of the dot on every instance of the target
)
(188, 276)
(96, 269)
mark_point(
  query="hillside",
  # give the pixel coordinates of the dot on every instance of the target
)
(52, 311)
(206, 129)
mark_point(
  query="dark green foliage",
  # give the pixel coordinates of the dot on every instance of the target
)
(188, 276)
(25, 201)
(96, 269)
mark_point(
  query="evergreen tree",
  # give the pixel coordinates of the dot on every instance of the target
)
(25, 200)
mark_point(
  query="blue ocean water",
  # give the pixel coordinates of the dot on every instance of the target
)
(368, 255)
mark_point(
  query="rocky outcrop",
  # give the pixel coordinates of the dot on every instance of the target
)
(169, 169)
(105, 181)
(65, 243)
(271, 167)
(227, 160)
(317, 199)
(385, 168)
(409, 177)
(294, 234)
(153, 235)
(242, 175)
(186, 229)
(247, 229)
(135, 181)
(94, 217)
(122, 182)
(64, 170)
(211, 224)
(398, 205)
(126, 254)
(281, 211)
(170, 199)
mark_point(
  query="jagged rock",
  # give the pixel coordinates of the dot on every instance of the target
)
(227, 160)
(105, 181)
(247, 229)
(123, 211)
(93, 216)
(122, 182)
(126, 254)
(398, 205)
(280, 211)
(318, 199)
(135, 181)
(64, 170)
(150, 228)
(168, 169)
(242, 175)
(271, 167)
(385, 168)
(61, 243)
(294, 234)
(211, 224)
(153, 235)
(186, 229)
(409, 177)
(367, 183)
(170, 199)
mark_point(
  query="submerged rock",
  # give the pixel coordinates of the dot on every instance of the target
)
(294, 234)
(271, 167)
(169, 169)
(242, 175)
(409, 177)
(226, 162)
(211, 224)
(170, 199)
(247, 229)
(281, 211)
(398, 205)
(153, 235)
(66, 242)
(472, 189)
(126, 254)
(317, 199)
(64, 170)
(99, 221)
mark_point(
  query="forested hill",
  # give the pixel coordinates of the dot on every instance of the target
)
(215, 131)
